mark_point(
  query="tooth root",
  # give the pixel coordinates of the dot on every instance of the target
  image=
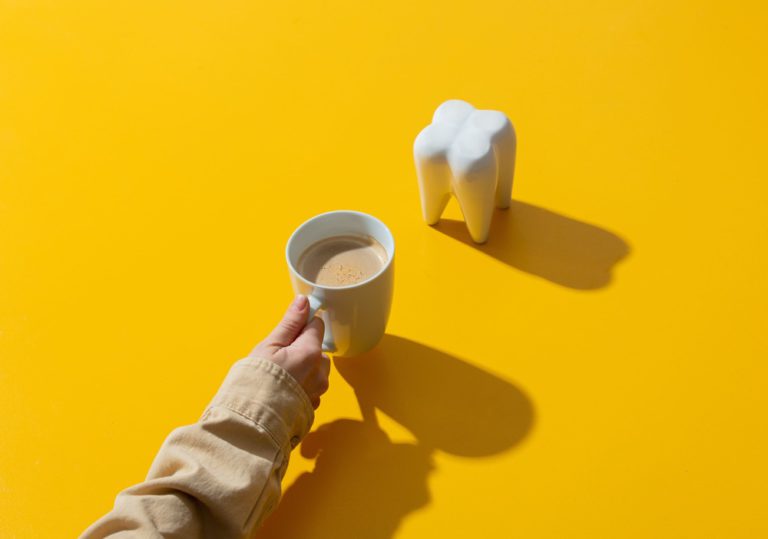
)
(434, 188)
(430, 154)
(502, 134)
(473, 164)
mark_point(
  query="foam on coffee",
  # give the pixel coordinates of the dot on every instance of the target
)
(342, 260)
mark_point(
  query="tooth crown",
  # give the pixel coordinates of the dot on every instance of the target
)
(469, 153)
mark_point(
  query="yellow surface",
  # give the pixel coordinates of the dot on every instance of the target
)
(597, 370)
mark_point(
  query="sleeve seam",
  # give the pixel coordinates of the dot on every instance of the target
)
(256, 423)
(283, 375)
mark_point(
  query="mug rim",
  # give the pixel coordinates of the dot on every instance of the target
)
(349, 286)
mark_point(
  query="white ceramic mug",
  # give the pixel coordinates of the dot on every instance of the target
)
(356, 315)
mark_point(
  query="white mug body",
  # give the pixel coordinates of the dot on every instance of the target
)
(355, 316)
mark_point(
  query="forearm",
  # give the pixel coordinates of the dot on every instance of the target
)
(220, 476)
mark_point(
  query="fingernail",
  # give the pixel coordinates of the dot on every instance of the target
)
(298, 303)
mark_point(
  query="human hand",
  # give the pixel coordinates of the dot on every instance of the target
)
(296, 346)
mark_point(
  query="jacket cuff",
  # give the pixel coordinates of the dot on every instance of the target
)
(268, 395)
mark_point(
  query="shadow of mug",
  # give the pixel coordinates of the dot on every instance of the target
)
(363, 484)
(554, 247)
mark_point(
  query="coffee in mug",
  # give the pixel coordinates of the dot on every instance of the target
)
(342, 260)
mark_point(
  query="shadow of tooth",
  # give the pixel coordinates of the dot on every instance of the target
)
(557, 248)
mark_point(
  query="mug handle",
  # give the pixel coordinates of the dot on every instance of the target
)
(316, 306)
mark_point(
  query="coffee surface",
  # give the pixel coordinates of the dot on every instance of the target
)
(342, 260)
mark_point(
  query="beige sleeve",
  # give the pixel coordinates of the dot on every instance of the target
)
(220, 476)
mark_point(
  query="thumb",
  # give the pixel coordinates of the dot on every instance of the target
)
(294, 320)
(311, 337)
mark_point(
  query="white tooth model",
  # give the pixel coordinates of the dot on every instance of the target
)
(469, 153)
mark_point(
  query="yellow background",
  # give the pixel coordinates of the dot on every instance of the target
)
(155, 156)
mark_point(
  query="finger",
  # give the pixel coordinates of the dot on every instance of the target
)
(311, 337)
(316, 403)
(292, 323)
(321, 375)
(325, 366)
